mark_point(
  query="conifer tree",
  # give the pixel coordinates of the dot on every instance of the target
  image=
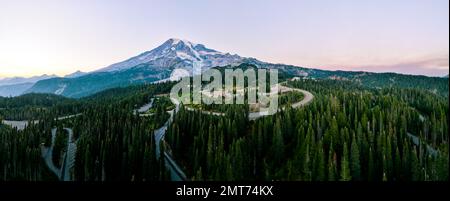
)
(345, 166)
(354, 159)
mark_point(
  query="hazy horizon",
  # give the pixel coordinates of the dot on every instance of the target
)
(61, 37)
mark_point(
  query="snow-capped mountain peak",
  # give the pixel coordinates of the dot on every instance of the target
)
(177, 53)
(21, 80)
(175, 41)
(75, 74)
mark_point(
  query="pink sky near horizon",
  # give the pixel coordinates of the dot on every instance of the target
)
(63, 36)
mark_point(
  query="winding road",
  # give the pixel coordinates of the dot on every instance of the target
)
(417, 141)
(69, 159)
(433, 152)
(47, 153)
(145, 107)
(20, 125)
(62, 173)
(176, 174)
(175, 171)
(308, 97)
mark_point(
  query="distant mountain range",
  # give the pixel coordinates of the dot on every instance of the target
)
(15, 86)
(75, 74)
(172, 60)
(21, 80)
(14, 89)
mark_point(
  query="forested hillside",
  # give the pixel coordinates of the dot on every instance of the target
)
(347, 133)
(109, 138)
(34, 106)
(114, 144)
(20, 153)
(434, 85)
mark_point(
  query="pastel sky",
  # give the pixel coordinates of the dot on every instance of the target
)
(62, 36)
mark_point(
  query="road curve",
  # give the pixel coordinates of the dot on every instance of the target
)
(306, 100)
(175, 171)
(308, 97)
(62, 173)
(20, 125)
(69, 157)
(433, 152)
(47, 154)
(176, 174)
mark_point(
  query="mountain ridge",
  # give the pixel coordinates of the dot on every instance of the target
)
(20, 80)
(75, 74)
(176, 58)
(177, 53)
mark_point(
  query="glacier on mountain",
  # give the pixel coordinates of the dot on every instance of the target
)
(177, 53)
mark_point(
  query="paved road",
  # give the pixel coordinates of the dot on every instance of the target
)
(308, 97)
(159, 134)
(69, 158)
(433, 152)
(20, 125)
(176, 174)
(63, 173)
(175, 171)
(47, 154)
(145, 107)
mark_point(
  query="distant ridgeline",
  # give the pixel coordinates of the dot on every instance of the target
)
(359, 126)
(352, 130)
(93, 83)
(166, 61)
(436, 85)
(35, 106)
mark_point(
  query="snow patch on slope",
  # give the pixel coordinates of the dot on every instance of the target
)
(61, 89)
(171, 52)
(178, 73)
(210, 53)
(183, 55)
